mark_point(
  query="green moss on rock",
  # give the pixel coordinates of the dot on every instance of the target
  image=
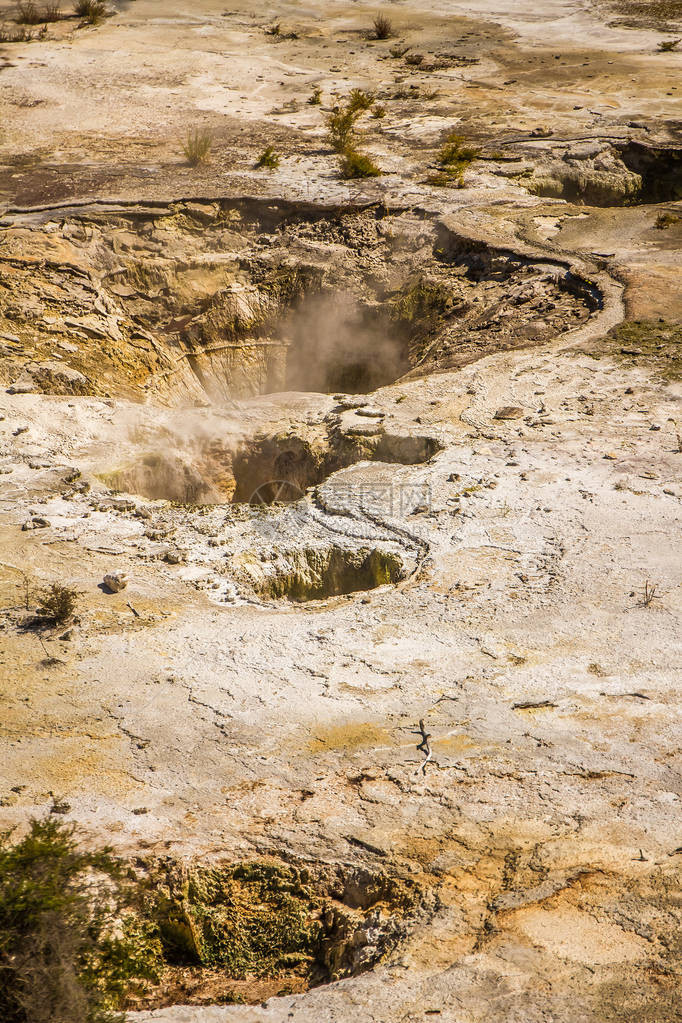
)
(649, 344)
(315, 574)
(251, 919)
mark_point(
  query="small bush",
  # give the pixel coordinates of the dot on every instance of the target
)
(316, 98)
(56, 604)
(341, 122)
(22, 35)
(269, 159)
(382, 27)
(197, 148)
(66, 953)
(341, 128)
(357, 165)
(359, 101)
(453, 160)
(92, 10)
(378, 113)
(454, 153)
(666, 220)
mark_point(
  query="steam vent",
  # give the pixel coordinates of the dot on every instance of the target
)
(340, 511)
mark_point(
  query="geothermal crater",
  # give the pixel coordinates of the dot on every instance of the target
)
(220, 301)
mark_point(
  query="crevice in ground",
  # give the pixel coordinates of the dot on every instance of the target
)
(319, 572)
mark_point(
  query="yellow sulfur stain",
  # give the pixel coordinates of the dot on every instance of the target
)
(351, 736)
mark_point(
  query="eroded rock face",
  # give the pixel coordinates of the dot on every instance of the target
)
(238, 932)
(246, 299)
(50, 378)
(317, 573)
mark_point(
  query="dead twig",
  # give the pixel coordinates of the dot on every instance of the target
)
(49, 660)
(423, 746)
(649, 594)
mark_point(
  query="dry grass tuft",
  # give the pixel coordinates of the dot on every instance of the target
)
(92, 10)
(382, 27)
(197, 148)
(20, 35)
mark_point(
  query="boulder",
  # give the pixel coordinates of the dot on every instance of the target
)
(115, 581)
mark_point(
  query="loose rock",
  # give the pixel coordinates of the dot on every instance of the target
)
(115, 581)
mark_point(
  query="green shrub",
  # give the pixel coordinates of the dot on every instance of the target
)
(341, 122)
(359, 101)
(67, 954)
(56, 604)
(316, 98)
(453, 160)
(269, 158)
(197, 148)
(357, 165)
(341, 128)
(454, 153)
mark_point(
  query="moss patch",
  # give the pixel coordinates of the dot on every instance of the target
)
(651, 344)
(248, 919)
(315, 574)
(250, 930)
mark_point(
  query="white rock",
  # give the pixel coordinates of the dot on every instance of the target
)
(25, 384)
(115, 581)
